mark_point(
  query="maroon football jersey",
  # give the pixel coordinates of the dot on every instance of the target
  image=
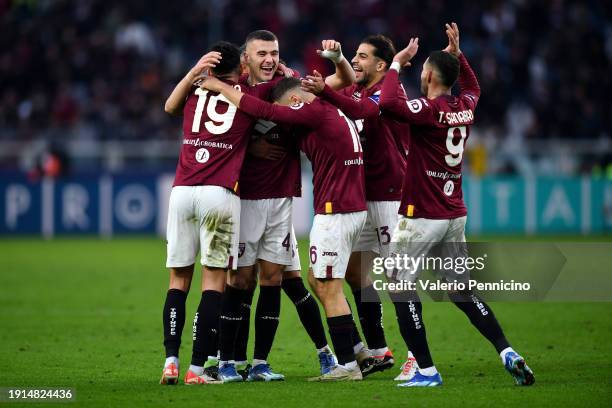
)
(384, 139)
(439, 130)
(215, 138)
(332, 144)
(263, 178)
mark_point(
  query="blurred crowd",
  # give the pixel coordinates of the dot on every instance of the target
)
(101, 70)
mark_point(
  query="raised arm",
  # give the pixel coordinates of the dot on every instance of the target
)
(413, 111)
(344, 75)
(468, 84)
(366, 108)
(176, 101)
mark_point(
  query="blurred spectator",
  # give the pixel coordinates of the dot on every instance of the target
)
(107, 66)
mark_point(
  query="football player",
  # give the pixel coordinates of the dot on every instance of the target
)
(432, 211)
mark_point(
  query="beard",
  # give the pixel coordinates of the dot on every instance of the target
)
(365, 78)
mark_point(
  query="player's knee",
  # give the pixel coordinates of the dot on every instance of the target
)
(329, 291)
(270, 274)
(244, 278)
(291, 275)
(180, 278)
(242, 282)
(213, 279)
(271, 279)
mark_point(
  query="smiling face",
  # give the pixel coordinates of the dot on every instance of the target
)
(261, 58)
(369, 69)
(365, 63)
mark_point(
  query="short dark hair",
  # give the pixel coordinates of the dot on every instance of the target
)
(383, 47)
(230, 58)
(283, 86)
(263, 35)
(447, 66)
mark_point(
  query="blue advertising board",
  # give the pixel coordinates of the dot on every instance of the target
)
(126, 204)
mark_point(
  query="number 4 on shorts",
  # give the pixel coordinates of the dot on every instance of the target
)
(287, 242)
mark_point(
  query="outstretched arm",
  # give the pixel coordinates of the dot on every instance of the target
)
(355, 110)
(302, 114)
(344, 75)
(233, 95)
(176, 101)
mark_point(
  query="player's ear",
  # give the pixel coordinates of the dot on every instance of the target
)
(380, 66)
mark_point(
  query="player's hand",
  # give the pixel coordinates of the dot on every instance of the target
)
(264, 150)
(332, 50)
(452, 32)
(211, 83)
(200, 69)
(404, 56)
(313, 83)
(282, 69)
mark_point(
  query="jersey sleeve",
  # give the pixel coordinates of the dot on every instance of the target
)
(468, 84)
(303, 114)
(355, 110)
(417, 111)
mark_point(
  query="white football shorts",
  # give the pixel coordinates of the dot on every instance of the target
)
(204, 218)
(332, 239)
(295, 255)
(266, 231)
(422, 237)
(381, 221)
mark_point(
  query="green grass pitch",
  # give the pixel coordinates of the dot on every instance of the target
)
(86, 313)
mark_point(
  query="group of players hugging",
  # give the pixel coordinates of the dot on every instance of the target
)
(375, 154)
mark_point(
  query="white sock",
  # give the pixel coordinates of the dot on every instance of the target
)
(197, 370)
(504, 352)
(257, 362)
(351, 366)
(429, 371)
(358, 347)
(170, 360)
(380, 351)
(324, 349)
